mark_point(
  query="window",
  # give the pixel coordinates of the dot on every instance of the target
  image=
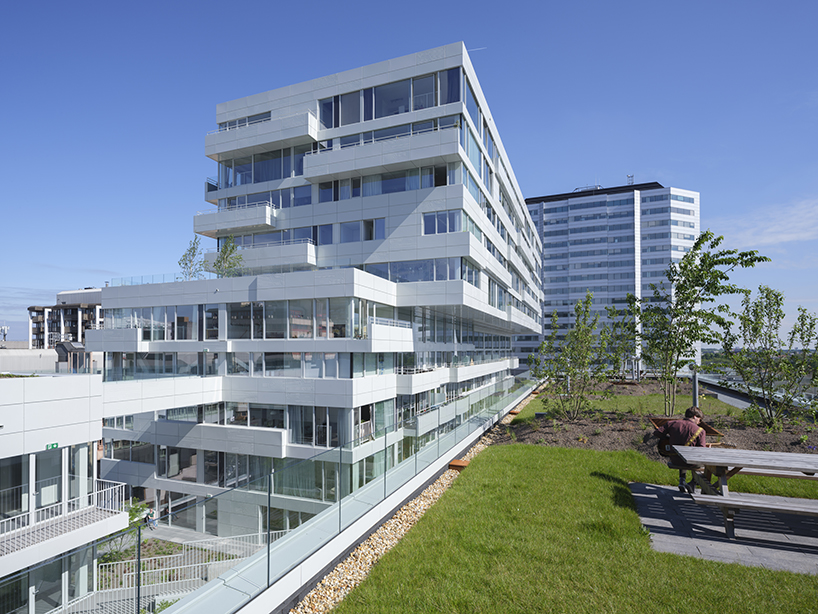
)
(392, 98)
(211, 323)
(350, 108)
(325, 234)
(302, 195)
(449, 85)
(350, 232)
(275, 313)
(301, 319)
(423, 92)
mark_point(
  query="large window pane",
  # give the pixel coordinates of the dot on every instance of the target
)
(423, 94)
(412, 270)
(187, 317)
(325, 112)
(449, 85)
(264, 165)
(238, 320)
(392, 99)
(299, 151)
(471, 106)
(340, 317)
(302, 195)
(325, 234)
(275, 317)
(258, 320)
(313, 365)
(350, 232)
(211, 322)
(321, 317)
(301, 319)
(243, 169)
(282, 364)
(350, 108)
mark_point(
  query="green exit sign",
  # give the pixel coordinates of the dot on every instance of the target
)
(51, 446)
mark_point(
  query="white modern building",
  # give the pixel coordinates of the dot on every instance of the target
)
(611, 241)
(388, 261)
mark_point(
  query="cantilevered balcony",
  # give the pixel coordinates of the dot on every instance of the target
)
(32, 535)
(238, 220)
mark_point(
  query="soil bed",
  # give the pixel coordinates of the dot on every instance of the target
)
(632, 430)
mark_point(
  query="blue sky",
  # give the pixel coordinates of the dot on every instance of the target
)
(106, 105)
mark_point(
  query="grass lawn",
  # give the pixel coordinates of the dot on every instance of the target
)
(642, 405)
(546, 529)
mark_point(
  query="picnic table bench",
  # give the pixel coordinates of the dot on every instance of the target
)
(725, 463)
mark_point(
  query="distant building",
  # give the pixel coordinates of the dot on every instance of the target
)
(74, 312)
(612, 241)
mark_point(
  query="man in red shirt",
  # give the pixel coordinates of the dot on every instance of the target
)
(687, 432)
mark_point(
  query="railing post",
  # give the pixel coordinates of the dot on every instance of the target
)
(138, 568)
(269, 501)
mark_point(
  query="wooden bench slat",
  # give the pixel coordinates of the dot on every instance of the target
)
(779, 474)
(808, 508)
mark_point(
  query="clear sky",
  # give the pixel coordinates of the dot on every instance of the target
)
(105, 106)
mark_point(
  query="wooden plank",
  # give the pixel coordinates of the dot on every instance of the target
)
(751, 459)
(458, 464)
(809, 507)
(795, 475)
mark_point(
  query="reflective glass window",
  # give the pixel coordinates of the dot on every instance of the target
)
(275, 317)
(449, 85)
(423, 92)
(302, 195)
(243, 169)
(392, 98)
(301, 319)
(350, 108)
(325, 234)
(350, 232)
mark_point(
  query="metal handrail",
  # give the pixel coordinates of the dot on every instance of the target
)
(267, 203)
(259, 121)
(211, 250)
(378, 140)
(48, 522)
(389, 322)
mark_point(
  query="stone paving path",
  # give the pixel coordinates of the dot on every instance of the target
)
(763, 539)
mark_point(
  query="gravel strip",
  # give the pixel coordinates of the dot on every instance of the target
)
(350, 572)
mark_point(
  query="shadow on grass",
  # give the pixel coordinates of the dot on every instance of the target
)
(622, 496)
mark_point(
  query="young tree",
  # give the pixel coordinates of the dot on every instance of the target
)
(191, 262)
(682, 311)
(773, 370)
(122, 540)
(621, 333)
(573, 365)
(229, 262)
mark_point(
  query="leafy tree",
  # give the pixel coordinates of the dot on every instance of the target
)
(682, 312)
(229, 262)
(776, 369)
(191, 262)
(621, 334)
(121, 541)
(573, 365)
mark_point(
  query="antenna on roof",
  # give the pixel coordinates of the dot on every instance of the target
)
(630, 179)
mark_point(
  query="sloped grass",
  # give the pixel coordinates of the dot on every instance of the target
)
(542, 529)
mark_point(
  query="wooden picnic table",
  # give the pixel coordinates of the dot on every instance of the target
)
(724, 463)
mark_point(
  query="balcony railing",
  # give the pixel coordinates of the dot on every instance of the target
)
(266, 203)
(31, 528)
(212, 250)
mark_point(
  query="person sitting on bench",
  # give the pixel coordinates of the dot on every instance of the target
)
(686, 432)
